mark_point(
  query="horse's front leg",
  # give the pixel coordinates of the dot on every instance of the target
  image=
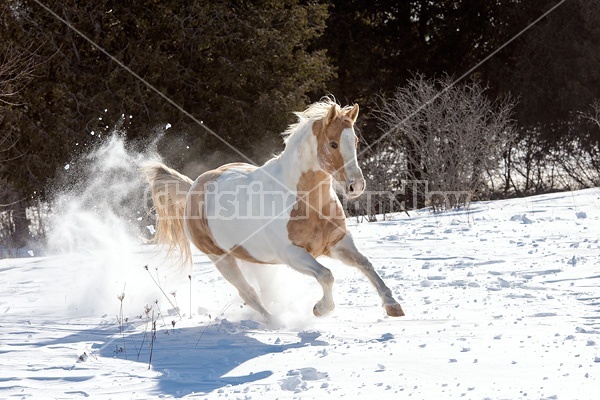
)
(346, 251)
(301, 260)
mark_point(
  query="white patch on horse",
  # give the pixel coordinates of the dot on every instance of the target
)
(355, 181)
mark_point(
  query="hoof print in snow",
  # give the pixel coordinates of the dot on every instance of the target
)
(521, 218)
(296, 379)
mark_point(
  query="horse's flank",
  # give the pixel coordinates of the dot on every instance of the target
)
(196, 220)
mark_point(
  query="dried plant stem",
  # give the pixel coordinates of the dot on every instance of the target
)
(147, 309)
(153, 338)
(210, 321)
(162, 291)
(190, 278)
(120, 318)
(161, 315)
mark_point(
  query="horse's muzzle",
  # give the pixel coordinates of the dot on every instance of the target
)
(355, 187)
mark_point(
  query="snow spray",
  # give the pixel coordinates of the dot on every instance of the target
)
(101, 219)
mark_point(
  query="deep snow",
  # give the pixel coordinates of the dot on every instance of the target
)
(502, 302)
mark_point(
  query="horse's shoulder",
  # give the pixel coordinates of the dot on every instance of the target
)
(317, 220)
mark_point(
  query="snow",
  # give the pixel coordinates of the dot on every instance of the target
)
(502, 302)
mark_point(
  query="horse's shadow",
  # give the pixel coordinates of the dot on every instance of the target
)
(200, 359)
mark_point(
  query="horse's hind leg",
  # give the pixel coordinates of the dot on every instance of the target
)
(346, 251)
(228, 267)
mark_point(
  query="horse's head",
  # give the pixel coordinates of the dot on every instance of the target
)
(336, 148)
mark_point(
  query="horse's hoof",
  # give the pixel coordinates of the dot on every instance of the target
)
(394, 310)
(319, 311)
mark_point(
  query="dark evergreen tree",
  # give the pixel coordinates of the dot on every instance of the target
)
(241, 67)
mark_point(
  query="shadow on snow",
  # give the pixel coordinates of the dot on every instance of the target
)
(200, 359)
(192, 359)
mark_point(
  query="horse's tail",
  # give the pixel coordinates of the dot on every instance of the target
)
(169, 191)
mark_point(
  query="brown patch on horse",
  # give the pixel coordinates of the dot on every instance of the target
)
(196, 222)
(195, 216)
(240, 252)
(317, 221)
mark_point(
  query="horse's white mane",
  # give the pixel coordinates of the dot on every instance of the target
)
(313, 112)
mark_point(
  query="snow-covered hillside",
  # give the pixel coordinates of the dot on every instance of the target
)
(502, 302)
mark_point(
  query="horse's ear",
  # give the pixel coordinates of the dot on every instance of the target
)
(353, 114)
(331, 114)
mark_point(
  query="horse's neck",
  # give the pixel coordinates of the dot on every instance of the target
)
(314, 188)
(300, 159)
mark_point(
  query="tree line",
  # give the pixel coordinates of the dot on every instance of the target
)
(242, 67)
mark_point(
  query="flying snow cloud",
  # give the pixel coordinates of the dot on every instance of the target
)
(101, 219)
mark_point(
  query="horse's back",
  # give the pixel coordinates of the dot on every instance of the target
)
(196, 222)
(240, 209)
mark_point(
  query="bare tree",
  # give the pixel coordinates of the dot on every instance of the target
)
(449, 136)
(593, 115)
(536, 165)
(383, 170)
(579, 156)
(16, 71)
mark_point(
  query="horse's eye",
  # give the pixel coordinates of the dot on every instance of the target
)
(333, 145)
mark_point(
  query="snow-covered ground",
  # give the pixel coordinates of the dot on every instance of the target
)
(502, 302)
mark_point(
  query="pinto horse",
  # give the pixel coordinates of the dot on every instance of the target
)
(283, 212)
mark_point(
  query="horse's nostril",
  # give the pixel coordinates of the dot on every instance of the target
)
(351, 188)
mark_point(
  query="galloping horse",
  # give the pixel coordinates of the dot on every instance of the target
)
(284, 212)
